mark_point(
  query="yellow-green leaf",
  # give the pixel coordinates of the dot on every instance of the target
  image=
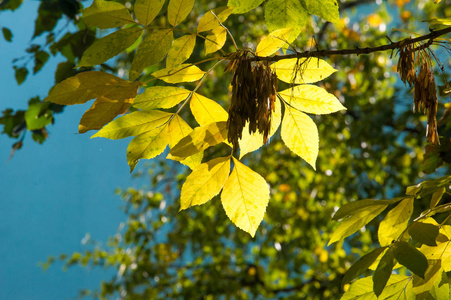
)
(362, 265)
(441, 252)
(326, 9)
(424, 233)
(200, 139)
(88, 85)
(160, 97)
(398, 287)
(245, 197)
(383, 272)
(152, 50)
(300, 134)
(273, 42)
(302, 70)
(438, 21)
(311, 99)
(410, 257)
(133, 124)
(109, 46)
(421, 287)
(207, 111)
(251, 142)
(205, 182)
(181, 50)
(178, 10)
(395, 222)
(183, 73)
(209, 21)
(241, 6)
(436, 196)
(146, 10)
(215, 40)
(147, 145)
(106, 14)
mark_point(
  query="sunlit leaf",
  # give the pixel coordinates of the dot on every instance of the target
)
(152, 50)
(106, 14)
(183, 73)
(38, 116)
(438, 21)
(421, 287)
(207, 111)
(436, 196)
(440, 252)
(178, 10)
(241, 6)
(215, 40)
(383, 272)
(133, 124)
(395, 222)
(398, 287)
(286, 14)
(146, 10)
(424, 233)
(353, 207)
(209, 21)
(205, 182)
(181, 50)
(160, 97)
(326, 9)
(362, 265)
(273, 42)
(302, 70)
(410, 257)
(245, 197)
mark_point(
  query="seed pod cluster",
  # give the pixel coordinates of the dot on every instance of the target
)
(254, 88)
(406, 67)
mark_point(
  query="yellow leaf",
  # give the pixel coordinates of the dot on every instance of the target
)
(183, 73)
(245, 197)
(207, 111)
(311, 99)
(181, 50)
(147, 145)
(209, 21)
(252, 142)
(304, 70)
(395, 222)
(152, 50)
(273, 42)
(440, 252)
(88, 85)
(300, 134)
(178, 10)
(160, 97)
(215, 40)
(178, 129)
(109, 46)
(133, 124)
(106, 14)
(200, 139)
(146, 10)
(205, 182)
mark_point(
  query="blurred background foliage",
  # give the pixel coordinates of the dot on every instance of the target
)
(374, 149)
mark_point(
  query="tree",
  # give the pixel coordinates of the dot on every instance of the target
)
(290, 256)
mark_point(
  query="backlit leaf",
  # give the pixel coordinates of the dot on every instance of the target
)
(241, 6)
(209, 21)
(302, 70)
(398, 287)
(106, 14)
(245, 197)
(160, 97)
(410, 257)
(440, 252)
(181, 50)
(178, 10)
(353, 207)
(207, 111)
(38, 116)
(311, 99)
(200, 139)
(183, 73)
(215, 40)
(273, 42)
(326, 9)
(362, 265)
(436, 196)
(424, 233)
(146, 10)
(133, 124)
(421, 287)
(383, 272)
(109, 46)
(152, 50)
(205, 182)
(147, 145)
(438, 21)
(395, 222)
(286, 14)
(300, 134)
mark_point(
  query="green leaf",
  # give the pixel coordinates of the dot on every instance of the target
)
(215, 40)
(7, 34)
(38, 116)
(300, 134)
(383, 272)
(200, 139)
(326, 9)
(273, 42)
(152, 50)
(178, 10)
(205, 182)
(362, 265)
(302, 70)
(147, 145)
(106, 14)
(245, 197)
(438, 21)
(436, 196)
(353, 207)
(398, 287)
(207, 111)
(183, 73)
(422, 287)
(181, 50)
(20, 74)
(408, 256)
(209, 21)
(395, 222)
(40, 58)
(311, 99)
(146, 10)
(109, 46)
(424, 233)
(243, 6)
(160, 97)
(133, 124)
(414, 189)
